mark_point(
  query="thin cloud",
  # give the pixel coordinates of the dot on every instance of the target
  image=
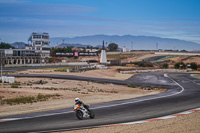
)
(42, 10)
(12, 1)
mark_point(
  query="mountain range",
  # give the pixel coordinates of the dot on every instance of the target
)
(19, 45)
(131, 42)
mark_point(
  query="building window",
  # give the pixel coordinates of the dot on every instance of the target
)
(45, 43)
(37, 42)
(45, 48)
(37, 37)
(45, 37)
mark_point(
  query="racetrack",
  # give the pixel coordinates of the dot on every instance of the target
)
(183, 94)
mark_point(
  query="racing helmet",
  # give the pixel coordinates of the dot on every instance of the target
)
(77, 99)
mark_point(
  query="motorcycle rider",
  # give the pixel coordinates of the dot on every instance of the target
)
(78, 101)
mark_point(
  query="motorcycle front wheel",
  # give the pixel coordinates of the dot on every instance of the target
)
(79, 114)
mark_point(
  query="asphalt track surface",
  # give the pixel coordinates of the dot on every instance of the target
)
(183, 94)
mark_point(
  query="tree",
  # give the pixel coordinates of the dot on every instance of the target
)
(180, 65)
(193, 65)
(5, 46)
(112, 47)
(60, 50)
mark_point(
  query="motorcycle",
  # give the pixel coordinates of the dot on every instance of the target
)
(82, 112)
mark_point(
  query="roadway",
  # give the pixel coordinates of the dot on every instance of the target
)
(183, 94)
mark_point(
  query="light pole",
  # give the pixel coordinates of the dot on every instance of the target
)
(63, 41)
(132, 46)
(1, 66)
(156, 46)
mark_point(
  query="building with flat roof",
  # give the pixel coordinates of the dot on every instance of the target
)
(20, 57)
(40, 43)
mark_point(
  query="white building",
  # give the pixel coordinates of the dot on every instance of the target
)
(40, 43)
(124, 49)
(20, 57)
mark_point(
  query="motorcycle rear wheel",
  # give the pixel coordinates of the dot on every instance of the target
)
(92, 114)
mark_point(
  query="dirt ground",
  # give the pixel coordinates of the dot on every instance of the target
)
(192, 59)
(68, 90)
(189, 123)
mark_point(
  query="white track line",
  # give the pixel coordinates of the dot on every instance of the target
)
(165, 75)
(193, 75)
(182, 89)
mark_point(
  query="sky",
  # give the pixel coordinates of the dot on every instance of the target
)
(178, 19)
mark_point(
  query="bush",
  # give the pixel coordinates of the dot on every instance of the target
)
(193, 65)
(132, 86)
(180, 65)
(14, 86)
(22, 99)
(28, 99)
(165, 65)
(51, 60)
(144, 64)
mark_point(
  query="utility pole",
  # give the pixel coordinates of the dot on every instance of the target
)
(63, 41)
(1, 63)
(1, 68)
(156, 46)
(131, 45)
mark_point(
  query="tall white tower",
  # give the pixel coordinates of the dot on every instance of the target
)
(40, 43)
(103, 59)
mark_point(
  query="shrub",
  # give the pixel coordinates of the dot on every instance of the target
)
(180, 65)
(22, 99)
(14, 86)
(28, 99)
(51, 60)
(132, 86)
(144, 64)
(165, 65)
(193, 65)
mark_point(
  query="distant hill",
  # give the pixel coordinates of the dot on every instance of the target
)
(135, 42)
(19, 45)
(73, 45)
